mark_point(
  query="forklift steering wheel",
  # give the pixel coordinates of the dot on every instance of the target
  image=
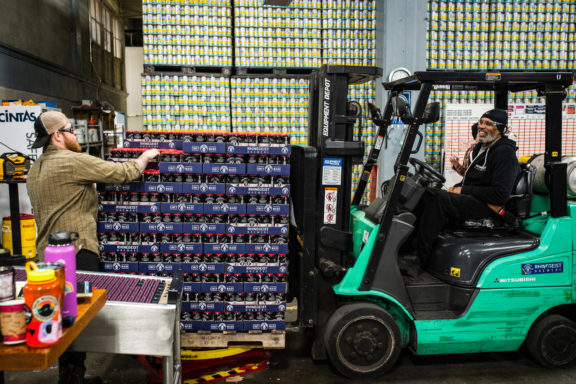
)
(426, 170)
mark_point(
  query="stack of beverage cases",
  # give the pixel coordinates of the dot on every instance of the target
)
(50, 300)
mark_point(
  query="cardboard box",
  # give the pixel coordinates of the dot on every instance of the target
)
(203, 228)
(130, 208)
(203, 268)
(181, 248)
(193, 147)
(165, 167)
(224, 169)
(118, 267)
(268, 169)
(159, 267)
(197, 189)
(162, 187)
(268, 209)
(182, 208)
(224, 248)
(265, 287)
(276, 269)
(232, 189)
(161, 228)
(264, 325)
(151, 248)
(118, 227)
(257, 150)
(202, 306)
(225, 209)
(276, 249)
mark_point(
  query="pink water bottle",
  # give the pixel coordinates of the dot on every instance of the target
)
(60, 249)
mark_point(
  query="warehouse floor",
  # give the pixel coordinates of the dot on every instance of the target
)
(293, 365)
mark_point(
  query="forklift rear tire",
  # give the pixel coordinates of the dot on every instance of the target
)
(362, 340)
(552, 341)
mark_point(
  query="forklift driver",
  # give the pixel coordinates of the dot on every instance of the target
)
(487, 184)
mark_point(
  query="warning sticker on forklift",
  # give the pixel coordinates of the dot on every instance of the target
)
(331, 171)
(330, 195)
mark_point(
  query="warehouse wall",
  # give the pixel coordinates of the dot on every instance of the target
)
(45, 55)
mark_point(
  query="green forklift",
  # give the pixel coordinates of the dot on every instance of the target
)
(491, 285)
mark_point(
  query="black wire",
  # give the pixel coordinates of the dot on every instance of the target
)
(12, 149)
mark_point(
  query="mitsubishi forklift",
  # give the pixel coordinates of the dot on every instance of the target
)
(490, 286)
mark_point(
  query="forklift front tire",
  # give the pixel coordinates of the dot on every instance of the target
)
(552, 341)
(362, 340)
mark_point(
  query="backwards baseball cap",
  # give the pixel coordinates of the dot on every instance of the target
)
(46, 124)
(499, 116)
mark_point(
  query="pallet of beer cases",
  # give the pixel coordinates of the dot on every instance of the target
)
(214, 205)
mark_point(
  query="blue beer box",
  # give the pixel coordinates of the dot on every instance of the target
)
(193, 147)
(203, 268)
(264, 325)
(117, 227)
(264, 230)
(257, 150)
(165, 167)
(203, 228)
(227, 209)
(129, 187)
(264, 307)
(256, 269)
(118, 267)
(222, 287)
(275, 249)
(189, 326)
(162, 187)
(268, 169)
(159, 267)
(182, 207)
(181, 247)
(171, 144)
(265, 287)
(268, 209)
(202, 306)
(130, 208)
(224, 248)
(151, 248)
(191, 287)
(222, 326)
(224, 169)
(240, 190)
(160, 228)
(195, 188)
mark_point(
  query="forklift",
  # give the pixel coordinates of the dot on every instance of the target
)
(488, 287)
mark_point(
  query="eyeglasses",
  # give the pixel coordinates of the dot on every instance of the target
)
(488, 123)
(69, 130)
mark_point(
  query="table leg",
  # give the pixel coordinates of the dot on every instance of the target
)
(15, 219)
(167, 369)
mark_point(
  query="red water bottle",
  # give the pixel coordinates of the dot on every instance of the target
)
(41, 295)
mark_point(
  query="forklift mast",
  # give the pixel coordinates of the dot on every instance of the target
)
(321, 182)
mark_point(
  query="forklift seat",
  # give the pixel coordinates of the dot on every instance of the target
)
(517, 206)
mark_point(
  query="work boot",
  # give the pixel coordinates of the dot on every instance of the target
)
(73, 374)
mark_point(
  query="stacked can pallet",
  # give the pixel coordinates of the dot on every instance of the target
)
(349, 32)
(190, 33)
(497, 35)
(215, 206)
(266, 104)
(174, 102)
(489, 34)
(277, 36)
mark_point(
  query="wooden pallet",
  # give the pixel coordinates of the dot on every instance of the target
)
(273, 71)
(187, 70)
(251, 339)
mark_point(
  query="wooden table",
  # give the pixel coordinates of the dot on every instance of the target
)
(22, 358)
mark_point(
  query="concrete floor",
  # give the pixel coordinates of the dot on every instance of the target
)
(293, 365)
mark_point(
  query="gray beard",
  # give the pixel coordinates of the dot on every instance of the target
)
(490, 137)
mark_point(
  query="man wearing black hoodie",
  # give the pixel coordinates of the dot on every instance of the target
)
(485, 188)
